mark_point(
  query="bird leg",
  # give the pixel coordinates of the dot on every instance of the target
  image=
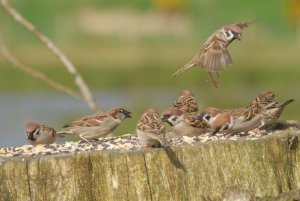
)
(88, 141)
(213, 81)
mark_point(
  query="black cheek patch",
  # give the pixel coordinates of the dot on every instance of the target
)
(30, 137)
(227, 33)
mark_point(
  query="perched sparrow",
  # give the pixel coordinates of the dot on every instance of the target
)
(214, 54)
(97, 125)
(208, 114)
(227, 123)
(186, 102)
(150, 129)
(237, 120)
(264, 99)
(271, 115)
(261, 100)
(184, 124)
(220, 120)
(39, 133)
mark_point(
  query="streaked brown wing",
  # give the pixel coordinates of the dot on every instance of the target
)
(48, 130)
(93, 120)
(215, 56)
(196, 60)
(242, 114)
(151, 123)
(186, 104)
(195, 122)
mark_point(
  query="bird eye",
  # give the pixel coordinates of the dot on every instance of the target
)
(174, 118)
(207, 117)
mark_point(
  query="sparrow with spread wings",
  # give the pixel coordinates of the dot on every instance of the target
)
(214, 56)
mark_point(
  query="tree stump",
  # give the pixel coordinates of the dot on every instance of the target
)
(266, 166)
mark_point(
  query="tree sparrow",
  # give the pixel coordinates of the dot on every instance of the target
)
(237, 120)
(184, 124)
(227, 123)
(186, 102)
(261, 100)
(208, 114)
(214, 54)
(150, 129)
(39, 133)
(97, 125)
(270, 116)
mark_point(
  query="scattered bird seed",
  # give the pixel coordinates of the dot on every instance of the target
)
(125, 142)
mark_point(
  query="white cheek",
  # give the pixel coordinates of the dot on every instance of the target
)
(174, 121)
(228, 35)
(36, 133)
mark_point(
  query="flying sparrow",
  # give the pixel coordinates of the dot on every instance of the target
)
(186, 102)
(150, 129)
(97, 125)
(39, 133)
(214, 54)
(271, 115)
(184, 124)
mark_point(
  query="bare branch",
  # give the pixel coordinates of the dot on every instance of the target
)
(39, 75)
(79, 81)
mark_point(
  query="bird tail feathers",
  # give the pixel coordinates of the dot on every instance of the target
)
(285, 103)
(185, 67)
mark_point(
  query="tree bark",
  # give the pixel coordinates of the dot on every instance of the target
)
(267, 166)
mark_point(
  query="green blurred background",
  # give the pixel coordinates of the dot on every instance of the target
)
(133, 47)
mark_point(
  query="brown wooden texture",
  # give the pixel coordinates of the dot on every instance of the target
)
(266, 166)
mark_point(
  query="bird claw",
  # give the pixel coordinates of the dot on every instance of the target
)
(215, 83)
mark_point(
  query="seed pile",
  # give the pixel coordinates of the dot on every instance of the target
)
(126, 142)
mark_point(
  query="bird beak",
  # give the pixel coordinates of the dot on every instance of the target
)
(127, 114)
(30, 136)
(239, 36)
(164, 118)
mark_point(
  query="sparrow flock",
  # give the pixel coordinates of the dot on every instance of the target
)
(183, 116)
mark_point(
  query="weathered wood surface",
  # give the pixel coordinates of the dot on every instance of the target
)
(267, 167)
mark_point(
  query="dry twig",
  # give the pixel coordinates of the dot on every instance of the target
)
(79, 81)
(34, 73)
